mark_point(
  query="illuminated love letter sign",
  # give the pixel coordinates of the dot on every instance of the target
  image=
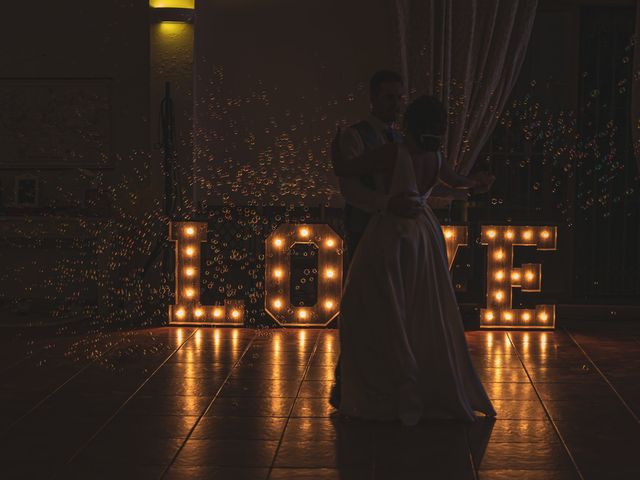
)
(502, 276)
(278, 274)
(188, 310)
(455, 236)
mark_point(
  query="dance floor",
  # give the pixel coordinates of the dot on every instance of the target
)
(236, 404)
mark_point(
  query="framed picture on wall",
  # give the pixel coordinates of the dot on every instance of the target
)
(26, 191)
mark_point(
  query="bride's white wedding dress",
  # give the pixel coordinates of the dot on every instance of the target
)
(403, 351)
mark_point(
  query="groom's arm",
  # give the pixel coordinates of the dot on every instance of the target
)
(353, 191)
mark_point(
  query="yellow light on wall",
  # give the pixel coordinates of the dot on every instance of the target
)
(172, 11)
(501, 241)
(188, 309)
(277, 274)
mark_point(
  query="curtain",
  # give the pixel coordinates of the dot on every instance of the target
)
(469, 54)
(635, 95)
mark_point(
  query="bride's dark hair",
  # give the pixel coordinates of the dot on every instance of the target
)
(426, 121)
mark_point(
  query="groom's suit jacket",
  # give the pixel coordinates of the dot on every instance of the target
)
(360, 194)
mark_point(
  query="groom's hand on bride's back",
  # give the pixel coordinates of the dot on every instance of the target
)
(405, 205)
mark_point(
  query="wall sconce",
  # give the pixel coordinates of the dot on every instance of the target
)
(180, 11)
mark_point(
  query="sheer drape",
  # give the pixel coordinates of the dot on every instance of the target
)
(635, 102)
(469, 53)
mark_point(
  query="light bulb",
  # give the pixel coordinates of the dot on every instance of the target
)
(544, 316)
(499, 255)
(189, 292)
(277, 273)
(304, 232)
(530, 276)
(277, 303)
(526, 317)
(499, 275)
(328, 304)
(235, 314)
(278, 242)
(190, 231)
(180, 313)
(217, 312)
(515, 276)
(489, 316)
(190, 251)
(448, 233)
(302, 314)
(508, 316)
(499, 295)
(331, 243)
(491, 233)
(189, 271)
(527, 234)
(198, 312)
(330, 273)
(509, 234)
(545, 234)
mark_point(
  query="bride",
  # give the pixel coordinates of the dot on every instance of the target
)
(403, 351)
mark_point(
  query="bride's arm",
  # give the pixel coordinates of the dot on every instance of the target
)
(454, 180)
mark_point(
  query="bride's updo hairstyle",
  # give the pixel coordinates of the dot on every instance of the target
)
(426, 121)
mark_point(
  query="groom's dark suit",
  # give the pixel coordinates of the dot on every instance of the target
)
(361, 196)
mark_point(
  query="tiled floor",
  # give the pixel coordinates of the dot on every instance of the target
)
(252, 404)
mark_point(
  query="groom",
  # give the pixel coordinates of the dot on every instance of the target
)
(386, 93)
